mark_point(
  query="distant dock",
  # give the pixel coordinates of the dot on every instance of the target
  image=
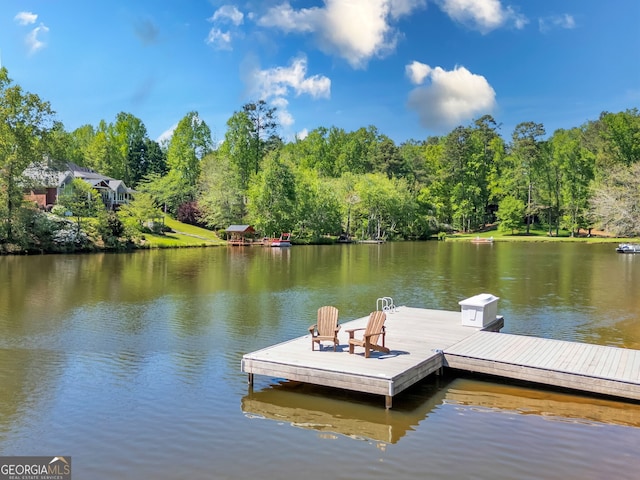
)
(423, 341)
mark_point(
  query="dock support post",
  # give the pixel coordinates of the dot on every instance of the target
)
(387, 401)
(250, 379)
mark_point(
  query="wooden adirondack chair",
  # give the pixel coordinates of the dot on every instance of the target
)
(372, 333)
(326, 330)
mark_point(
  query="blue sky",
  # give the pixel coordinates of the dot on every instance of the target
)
(412, 68)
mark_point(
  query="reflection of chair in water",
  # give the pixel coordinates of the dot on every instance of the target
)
(372, 333)
(326, 330)
(318, 409)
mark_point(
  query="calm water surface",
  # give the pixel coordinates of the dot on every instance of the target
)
(131, 364)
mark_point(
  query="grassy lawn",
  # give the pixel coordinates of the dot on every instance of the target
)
(538, 235)
(183, 235)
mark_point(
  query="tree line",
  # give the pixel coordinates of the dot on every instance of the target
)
(333, 182)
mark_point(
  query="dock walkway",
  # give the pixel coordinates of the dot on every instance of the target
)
(580, 366)
(424, 341)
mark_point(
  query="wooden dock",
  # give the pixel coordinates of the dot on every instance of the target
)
(415, 336)
(424, 341)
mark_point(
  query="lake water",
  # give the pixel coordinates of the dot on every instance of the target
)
(130, 363)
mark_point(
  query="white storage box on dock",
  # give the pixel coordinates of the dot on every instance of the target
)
(479, 311)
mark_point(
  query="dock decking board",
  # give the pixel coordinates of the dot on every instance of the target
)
(423, 341)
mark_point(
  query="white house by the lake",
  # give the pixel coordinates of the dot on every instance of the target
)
(45, 184)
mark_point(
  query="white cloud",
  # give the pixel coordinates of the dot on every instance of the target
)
(556, 21)
(356, 30)
(302, 134)
(165, 136)
(34, 43)
(280, 102)
(275, 84)
(451, 98)
(33, 38)
(285, 118)
(398, 8)
(26, 18)
(482, 15)
(228, 13)
(219, 39)
(289, 20)
(417, 72)
(280, 81)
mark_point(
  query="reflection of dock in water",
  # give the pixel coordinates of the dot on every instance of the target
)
(545, 403)
(311, 407)
(317, 408)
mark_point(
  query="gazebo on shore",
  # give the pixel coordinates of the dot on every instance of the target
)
(240, 235)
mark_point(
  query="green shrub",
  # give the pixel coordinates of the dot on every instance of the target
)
(59, 210)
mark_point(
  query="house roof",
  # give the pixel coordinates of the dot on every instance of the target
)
(46, 176)
(240, 229)
(43, 175)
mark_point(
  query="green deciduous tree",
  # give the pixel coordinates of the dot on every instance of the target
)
(510, 213)
(129, 135)
(251, 134)
(168, 191)
(437, 186)
(25, 123)
(457, 156)
(81, 199)
(525, 157)
(111, 230)
(190, 142)
(153, 160)
(238, 148)
(141, 213)
(575, 166)
(413, 166)
(272, 199)
(78, 147)
(317, 204)
(384, 207)
(312, 151)
(220, 199)
(120, 150)
(622, 135)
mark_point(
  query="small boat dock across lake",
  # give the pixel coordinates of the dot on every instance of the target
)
(423, 342)
(482, 240)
